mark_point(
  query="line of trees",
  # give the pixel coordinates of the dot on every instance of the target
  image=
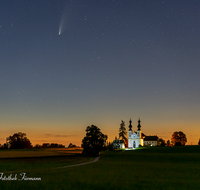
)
(54, 145)
(49, 145)
(92, 143)
(20, 141)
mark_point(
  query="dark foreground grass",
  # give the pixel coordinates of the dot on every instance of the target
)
(37, 163)
(151, 168)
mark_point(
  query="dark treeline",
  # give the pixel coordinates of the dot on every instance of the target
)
(53, 145)
(20, 141)
(48, 145)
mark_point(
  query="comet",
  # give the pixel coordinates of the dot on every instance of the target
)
(61, 26)
(63, 23)
(66, 16)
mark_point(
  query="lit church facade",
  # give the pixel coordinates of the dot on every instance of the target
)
(135, 138)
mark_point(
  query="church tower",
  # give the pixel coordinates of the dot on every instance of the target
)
(130, 126)
(130, 132)
(139, 132)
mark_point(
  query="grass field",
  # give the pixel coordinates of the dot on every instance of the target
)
(40, 152)
(37, 159)
(145, 168)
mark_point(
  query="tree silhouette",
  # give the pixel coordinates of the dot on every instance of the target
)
(122, 131)
(52, 145)
(178, 143)
(37, 146)
(161, 142)
(199, 142)
(94, 141)
(4, 146)
(168, 142)
(18, 140)
(71, 145)
(178, 137)
(110, 146)
(46, 145)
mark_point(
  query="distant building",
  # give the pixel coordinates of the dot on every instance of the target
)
(151, 141)
(118, 144)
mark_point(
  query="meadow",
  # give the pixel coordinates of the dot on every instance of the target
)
(144, 168)
(40, 152)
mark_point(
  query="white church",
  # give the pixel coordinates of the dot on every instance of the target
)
(135, 138)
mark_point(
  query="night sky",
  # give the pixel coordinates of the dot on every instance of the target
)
(65, 65)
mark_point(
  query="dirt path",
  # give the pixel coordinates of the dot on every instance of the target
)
(84, 163)
(95, 160)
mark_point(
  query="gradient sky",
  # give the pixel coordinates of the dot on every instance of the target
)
(113, 60)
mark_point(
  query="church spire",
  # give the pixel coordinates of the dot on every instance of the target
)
(139, 126)
(130, 126)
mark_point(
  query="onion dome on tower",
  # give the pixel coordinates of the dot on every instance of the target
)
(130, 126)
(139, 126)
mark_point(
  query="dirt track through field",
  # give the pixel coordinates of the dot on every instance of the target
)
(95, 160)
(84, 163)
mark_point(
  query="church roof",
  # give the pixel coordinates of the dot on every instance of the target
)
(151, 138)
(143, 135)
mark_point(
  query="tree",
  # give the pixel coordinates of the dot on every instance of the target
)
(178, 143)
(46, 145)
(199, 142)
(71, 145)
(110, 146)
(161, 142)
(61, 146)
(4, 146)
(53, 145)
(18, 141)
(178, 137)
(94, 141)
(168, 142)
(122, 131)
(37, 146)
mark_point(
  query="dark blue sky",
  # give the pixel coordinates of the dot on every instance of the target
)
(113, 60)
